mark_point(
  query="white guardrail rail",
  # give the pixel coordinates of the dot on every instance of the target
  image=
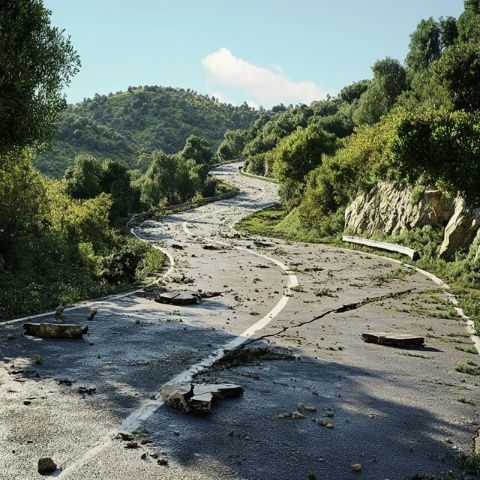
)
(391, 247)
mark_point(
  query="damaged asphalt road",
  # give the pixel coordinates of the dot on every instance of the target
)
(390, 412)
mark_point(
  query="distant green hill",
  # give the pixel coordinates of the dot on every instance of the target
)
(121, 126)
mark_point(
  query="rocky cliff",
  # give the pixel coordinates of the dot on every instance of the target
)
(393, 209)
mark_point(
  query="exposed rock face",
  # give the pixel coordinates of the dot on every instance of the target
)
(461, 229)
(392, 209)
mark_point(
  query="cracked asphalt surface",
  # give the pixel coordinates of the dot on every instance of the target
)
(395, 411)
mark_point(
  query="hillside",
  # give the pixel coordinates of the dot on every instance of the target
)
(121, 126)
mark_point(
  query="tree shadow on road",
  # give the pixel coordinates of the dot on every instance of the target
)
(393, 429)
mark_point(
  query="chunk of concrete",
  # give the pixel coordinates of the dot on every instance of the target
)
(198, 398)
(46, 465)
(212, 246)
(55, 330)
(393, 339)
(178, 297)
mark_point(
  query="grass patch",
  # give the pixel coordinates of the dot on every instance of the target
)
(470, 368)
(470, 349)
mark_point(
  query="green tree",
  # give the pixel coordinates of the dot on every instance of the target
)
(448, 31)
(354, 91)
(425, 45)
(232, 145)
(84, 178)
(469, 22)
(389, 81)
(298, 154)
(458, 71)
(117, 182)
(22, 199)
(36, 62)
(159, 184)
(197, 149)
(443, 147)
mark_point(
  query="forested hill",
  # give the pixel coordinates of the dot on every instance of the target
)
(122, 126)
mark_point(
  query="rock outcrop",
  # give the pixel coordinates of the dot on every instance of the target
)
(461, 229)
(393, 209)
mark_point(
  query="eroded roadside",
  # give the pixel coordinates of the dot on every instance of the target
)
(395, 411)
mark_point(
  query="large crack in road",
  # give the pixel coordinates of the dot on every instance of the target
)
(414, 401)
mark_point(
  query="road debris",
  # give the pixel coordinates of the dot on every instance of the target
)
(393, 339)
(55, 330)
(198, 398)
(212, 246)
(46, 465)
(87, 389)
(59, 313)
(259, 243)
(178, 297)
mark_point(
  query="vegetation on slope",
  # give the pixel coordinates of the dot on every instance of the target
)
(416, 123)
(66, 240)
(122, 126)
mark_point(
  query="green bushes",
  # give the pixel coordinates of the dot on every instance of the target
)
(124, 262)
(55, 249)
(441, 146)
(124, 125)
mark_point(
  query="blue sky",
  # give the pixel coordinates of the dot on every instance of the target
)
(260, 51)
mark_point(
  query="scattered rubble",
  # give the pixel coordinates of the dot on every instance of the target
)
(87, 389)
(64, 381)
(55, 330)
(131, 444)
(393, 339)
(210, 294)
(259, 243)
(198, 398)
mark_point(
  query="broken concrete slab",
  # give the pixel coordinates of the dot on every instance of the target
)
(178, 297)
(211, 246)
(393, 339)
(55, 330)
(260, 243)
(198, 398)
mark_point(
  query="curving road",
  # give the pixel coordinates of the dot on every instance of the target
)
(396, 412)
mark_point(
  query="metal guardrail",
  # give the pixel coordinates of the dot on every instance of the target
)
(390, 247)
(258, 177)
(162, 212)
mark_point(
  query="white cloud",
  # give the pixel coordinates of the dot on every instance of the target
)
(267, 87)
(221, 97)
(253, 104)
